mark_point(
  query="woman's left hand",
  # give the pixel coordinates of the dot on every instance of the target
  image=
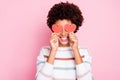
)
(73, 40)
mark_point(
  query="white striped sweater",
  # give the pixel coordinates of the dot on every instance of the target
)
(64, 67)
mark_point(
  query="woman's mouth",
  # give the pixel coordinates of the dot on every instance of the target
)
(64, 39)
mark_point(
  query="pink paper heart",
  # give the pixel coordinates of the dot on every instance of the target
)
(56, 28)
(70, 28)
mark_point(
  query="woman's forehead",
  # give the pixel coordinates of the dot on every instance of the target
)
(63, 22)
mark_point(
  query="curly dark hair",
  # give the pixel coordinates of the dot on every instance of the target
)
(67, 11)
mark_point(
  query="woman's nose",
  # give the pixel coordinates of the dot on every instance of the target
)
(63, 32)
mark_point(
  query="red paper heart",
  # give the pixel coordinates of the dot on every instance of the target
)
(70, 28)
(56, 28)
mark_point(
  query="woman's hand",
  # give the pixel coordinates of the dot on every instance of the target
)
(74, 45)
(54, 43)
(73, 41)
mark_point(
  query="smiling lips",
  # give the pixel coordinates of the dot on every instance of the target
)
(67, 27)
(64, 39)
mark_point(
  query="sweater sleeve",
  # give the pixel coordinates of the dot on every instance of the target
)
(43, 67)
(83, 70)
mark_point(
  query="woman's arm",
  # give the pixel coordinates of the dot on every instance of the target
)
(78, 57)
(43, 67)
(83, 65)
(84, 69)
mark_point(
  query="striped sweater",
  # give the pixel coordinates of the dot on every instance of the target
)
(64, 67)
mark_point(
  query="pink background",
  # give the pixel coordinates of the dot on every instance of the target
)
(23, 31)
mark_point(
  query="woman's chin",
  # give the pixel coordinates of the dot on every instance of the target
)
(64, 44)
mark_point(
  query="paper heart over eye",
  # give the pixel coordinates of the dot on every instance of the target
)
(56, 28)
(70, 28)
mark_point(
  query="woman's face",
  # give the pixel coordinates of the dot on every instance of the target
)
(63, 35)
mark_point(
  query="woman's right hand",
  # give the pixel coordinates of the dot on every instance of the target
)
(54, 43)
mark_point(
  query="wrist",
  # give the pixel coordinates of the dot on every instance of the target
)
(53, 49)
(75, 48)
(51, 56)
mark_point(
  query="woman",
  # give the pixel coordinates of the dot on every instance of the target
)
(64, 59)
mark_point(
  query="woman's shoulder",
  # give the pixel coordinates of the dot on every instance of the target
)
(82, 47)
(45, 48)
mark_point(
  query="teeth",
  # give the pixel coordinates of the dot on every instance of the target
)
(64, 38)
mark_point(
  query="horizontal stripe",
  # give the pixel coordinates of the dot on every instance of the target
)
(45, 74)
(61, 49)
(53, 78)
(60, 68)
(87, 62)
(80, 76)
(40, 62)
(62, 79)
(62, 58)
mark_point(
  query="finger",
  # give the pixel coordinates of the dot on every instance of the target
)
(53, 35)
(72, 36)
(71, 33)
(54, 41)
